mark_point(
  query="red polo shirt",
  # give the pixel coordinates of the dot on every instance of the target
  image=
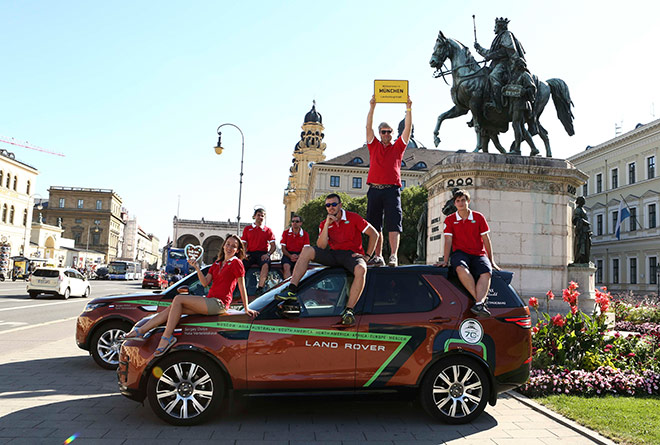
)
(347, 233)
(225, 275)
(385, 162)
(466, 233)
(257, 238)
(294, 242)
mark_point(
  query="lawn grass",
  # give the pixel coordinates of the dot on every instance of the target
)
(631, 420)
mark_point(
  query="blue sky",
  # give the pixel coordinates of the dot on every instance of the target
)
(132, 92)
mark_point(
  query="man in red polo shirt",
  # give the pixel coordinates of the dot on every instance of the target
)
(342, 232)
(384, 180)
(259, 244)
(293, 240)
(466, 231)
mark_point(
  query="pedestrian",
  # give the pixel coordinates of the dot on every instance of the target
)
(384, 180)
(466, 232)
(260, 245)
(294, 239)
(223, 276)
(176, 276)
(341, 231)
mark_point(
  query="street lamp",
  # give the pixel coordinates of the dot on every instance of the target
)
(28, 222)
(218, 150)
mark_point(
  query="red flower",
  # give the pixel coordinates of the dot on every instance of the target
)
(574, 309)
(558, 320)
(535, 330)
(533, 302)
(572, 286)
(550, 295)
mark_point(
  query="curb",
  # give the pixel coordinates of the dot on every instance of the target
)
(586, 432)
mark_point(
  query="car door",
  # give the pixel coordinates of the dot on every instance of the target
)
(312, 350)
(78, 283)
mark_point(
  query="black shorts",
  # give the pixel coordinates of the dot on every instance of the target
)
(287, 260)
(343, 258)
(475, 264)
(254, 259)
(386, 201)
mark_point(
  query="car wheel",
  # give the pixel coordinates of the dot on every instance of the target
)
(33, 294)
(188, 390)
(106, 342)
(455, 390)
(66, 294)
(87, 292)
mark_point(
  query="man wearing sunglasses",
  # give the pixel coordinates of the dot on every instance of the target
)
(294, 239)
(341, 231)
(384, 180)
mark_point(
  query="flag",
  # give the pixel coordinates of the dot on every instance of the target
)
(623, 214)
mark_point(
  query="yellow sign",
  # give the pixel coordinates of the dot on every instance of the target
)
(391, 91)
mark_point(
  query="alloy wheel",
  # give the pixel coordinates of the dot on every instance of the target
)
(184, 390)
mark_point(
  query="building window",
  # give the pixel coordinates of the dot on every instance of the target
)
(76, 237)
(615, 178)
(599, 225)
(15, 183)
(27, 188)
(356, 161)
(599, 183)
(631, 173)
(25, 217)
(1, 176)
(78, 221)
(80, 203)
(61, 203)
(650, 167)
(334, 181)
(633, 219)
(8, 180)
(403, 163)
(4, 213)
(599, 271)
(420, 165)
(11, 215)
(585, 189)
(615, 271)
(653, 270)
(99, 205)
(403, 184)
(615, 219)
(357, 183)
(633, 270)
(651, 210)
(96, 238)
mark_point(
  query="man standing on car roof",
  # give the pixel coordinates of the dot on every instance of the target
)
(384, 180)
(259, 244)
(342, 232)
(466, 231)
(294, 239)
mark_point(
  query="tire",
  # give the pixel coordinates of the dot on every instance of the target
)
(66, 294)
(87, 292)
(105, 343)
(171, 395)
(33, 294)
(455, 390)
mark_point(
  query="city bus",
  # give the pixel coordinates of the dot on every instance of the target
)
(125, 270)
(176, 259)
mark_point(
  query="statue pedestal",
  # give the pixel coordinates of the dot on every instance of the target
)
(584, 276)
(527, 203)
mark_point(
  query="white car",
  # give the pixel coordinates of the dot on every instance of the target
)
(58, 281)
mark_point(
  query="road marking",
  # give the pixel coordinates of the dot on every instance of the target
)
(22, 328)
(35, 305)
(12, 323)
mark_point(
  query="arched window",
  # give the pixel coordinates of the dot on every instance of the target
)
(8, 180)
(25, 217)
(419, 165)
(11, 215)
(4, 213)
(2, 174)
(356, 161)
(15, 182)
(27, 189)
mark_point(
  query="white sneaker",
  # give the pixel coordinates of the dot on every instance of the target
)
(377, 261)
(393, 262)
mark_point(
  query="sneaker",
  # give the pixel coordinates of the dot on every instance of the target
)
(480, 309)
(393, 262)
(377, 261)
(348, 317)
(287, 296)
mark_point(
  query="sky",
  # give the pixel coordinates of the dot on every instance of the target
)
(132, 92)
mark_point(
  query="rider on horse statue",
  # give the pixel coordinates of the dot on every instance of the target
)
(503, 52)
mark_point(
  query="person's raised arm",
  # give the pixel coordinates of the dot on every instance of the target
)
(407, 129)
(370, 120)
(322, 242)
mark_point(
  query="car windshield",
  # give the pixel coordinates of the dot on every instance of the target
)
(117, 268)
(185, 280)
(177, 255)
(50, 273)
(265, 299)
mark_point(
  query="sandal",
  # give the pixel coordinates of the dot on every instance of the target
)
(170, 342)
(136, 335)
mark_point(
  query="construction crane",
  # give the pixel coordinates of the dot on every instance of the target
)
(12, 141)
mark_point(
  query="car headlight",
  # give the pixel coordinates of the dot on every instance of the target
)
(91, 306)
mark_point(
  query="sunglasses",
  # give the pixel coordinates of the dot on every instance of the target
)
(331, 204)
(385, 131)
(295, 220)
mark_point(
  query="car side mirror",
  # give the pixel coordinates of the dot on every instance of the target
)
(288, 309)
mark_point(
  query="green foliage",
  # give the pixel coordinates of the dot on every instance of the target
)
(314, 212)
(637, 313)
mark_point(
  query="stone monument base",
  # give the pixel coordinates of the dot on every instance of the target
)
(584, 276)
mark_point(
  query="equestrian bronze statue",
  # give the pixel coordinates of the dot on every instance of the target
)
(503, 92)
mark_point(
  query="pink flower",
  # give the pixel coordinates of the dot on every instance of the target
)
(572, 286)
(550, 295)
(533, 302)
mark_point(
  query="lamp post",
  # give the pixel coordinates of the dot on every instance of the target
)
(28, 223)
(218, 150)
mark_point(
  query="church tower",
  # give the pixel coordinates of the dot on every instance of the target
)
(308, 151)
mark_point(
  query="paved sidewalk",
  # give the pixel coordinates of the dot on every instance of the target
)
(55, 390)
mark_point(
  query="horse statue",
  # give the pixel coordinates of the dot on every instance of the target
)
(468, 93)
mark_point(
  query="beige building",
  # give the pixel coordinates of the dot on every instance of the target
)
(622, 171)
(91, 217)
(17, 185)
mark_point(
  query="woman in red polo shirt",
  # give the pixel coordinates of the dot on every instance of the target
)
(223, 276)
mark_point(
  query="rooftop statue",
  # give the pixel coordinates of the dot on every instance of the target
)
(494, 93)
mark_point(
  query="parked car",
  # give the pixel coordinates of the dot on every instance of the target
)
(105, 320)
(154, 279)
(414, 329)
(58, 281)
(102, 273)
